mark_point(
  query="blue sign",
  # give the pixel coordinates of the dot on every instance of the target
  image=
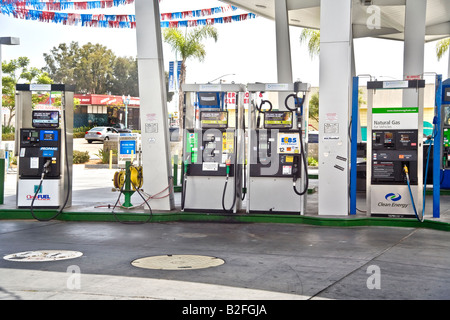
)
(127, 147)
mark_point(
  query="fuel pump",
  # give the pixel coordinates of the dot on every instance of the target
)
(278, 173)
(212, 152)
(44, 151)
(445, 104)
(395, 153)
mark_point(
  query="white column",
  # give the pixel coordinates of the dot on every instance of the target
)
(284, 61)
(414, 45)
(448, 72)
(153, 104)
(335, 103)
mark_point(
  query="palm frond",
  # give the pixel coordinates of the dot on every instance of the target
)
(442, 47)
(312, 38)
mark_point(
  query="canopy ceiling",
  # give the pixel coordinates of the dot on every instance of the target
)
(306, 14)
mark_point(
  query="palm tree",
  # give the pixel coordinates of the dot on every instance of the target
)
(189, 45)
(312, 37)
(442, 47)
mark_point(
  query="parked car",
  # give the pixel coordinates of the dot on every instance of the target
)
(101, 134)
(174, 134)
(313, 137)
(121, 128)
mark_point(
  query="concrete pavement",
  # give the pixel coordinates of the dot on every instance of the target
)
(263, 261)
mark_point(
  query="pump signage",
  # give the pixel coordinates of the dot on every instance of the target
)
(288, 143)
(394, 200)
(47, 196)
(395, 118)
(128, 149)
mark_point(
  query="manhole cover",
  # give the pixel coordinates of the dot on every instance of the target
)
(43, 255)
(178, 262)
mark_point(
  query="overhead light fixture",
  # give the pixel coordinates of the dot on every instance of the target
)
(366, 2)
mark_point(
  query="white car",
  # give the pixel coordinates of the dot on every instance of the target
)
(101, 134)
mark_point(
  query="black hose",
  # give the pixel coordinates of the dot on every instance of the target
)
(303, 155)
(223, 197)
(69, 182)
(305, 164)
(183, 193)
(292, 95)
(131, 222)
(34, 197)
(258, 120)
(262, 103)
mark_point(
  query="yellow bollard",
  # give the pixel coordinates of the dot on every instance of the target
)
(110, 158)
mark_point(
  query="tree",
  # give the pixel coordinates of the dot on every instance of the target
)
(188, 45)
(89, 67)
(442, 47)
(125, 77)
(93, 68)
(314, 104)
(16, 70)
(61, 63)
(312, 37)
(314, 107)
(94, 71)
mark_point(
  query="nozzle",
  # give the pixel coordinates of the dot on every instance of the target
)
(405, 169)
(47, 164)
(46, 168)
(228, 163)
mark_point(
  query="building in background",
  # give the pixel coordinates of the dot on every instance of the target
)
(105, 110)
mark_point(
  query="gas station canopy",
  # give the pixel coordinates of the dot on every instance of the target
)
(306, 14)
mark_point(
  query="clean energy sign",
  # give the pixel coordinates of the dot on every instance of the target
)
(395, 118)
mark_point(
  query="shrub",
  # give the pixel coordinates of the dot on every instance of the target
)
(312, 162)
(8, 136)
(80, 156)
(79, 132)
(104, 155)
(78, 135)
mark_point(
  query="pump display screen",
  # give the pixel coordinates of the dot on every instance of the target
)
(277, 120)
(447, 94)
(208, 100)
(45, 118)
(388, 138)
(214, 119)
(49, 136)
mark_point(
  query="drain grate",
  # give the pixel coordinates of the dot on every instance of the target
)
(177, 262)
(43, 255)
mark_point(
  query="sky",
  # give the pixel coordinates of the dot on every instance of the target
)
(244, 49)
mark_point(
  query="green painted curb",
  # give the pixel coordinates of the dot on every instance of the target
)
(217, 217)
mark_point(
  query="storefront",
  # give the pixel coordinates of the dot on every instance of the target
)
(105, 110)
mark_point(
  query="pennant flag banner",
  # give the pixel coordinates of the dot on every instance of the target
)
(109, 21)
(61, 5)
(58, 5)
(197, 13)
